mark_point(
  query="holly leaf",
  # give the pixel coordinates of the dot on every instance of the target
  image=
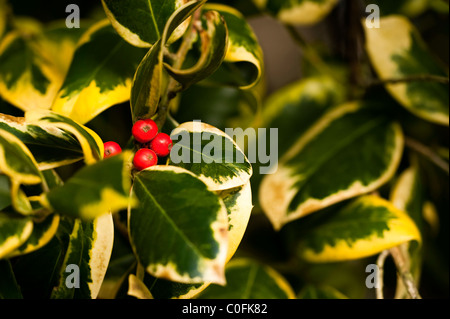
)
(100, 74)
(365, 227)
(210, 154)
(179, 232)
(397, 51)
(247, 279)
(352, 150)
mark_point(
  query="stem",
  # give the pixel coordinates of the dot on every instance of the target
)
(173, 87)
(428, 153)
(405, 274)
(380, 280)
(412, 78)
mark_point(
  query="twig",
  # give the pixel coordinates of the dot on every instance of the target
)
(428, 153)
(411, 78)
(380, 277)
(405, 274)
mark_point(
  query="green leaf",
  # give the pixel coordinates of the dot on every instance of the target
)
(243, 64)
(95, 190)
(323, 293)
(146, 88)
(52, 147)
(147, 84)
(365, 227)
(352, 150)
(5, 192)
(239, 207)
(179, 231)
(213, 47)
(88, 246)
(100, 75)
(17, 162)
(9, 289)
(298, 12)
(142, 22)
(247, 279)
(408, 195)
(90, 143)
(211, 154)
(397, 51)
(296, 107)
(14, 231)
(42, 233)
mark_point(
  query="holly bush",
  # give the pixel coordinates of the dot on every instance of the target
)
(361, 137)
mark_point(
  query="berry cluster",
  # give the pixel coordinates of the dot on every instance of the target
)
(152, 145)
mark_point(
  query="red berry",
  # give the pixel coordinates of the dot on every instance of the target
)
(162, 144)
(144, 130)
(112, 149)
(145, 158)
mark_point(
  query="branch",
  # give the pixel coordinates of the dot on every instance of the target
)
(405, 274)
(428, 153)
(380, 278)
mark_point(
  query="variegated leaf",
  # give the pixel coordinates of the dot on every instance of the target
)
(42, 233)
(137, 289)
(148, 80)
(5, 192)
(100, 75)
(211, 154)
(89, 247)
(14, 231)
(52, 147)
(298, 12)
(352, 150)
(239, 207)
(62, 126)
(243, 65)
(397, 51)
(95, 190)
(179, 232)
(247, 279)
(363, 228)
(213, 44)
(142, 22)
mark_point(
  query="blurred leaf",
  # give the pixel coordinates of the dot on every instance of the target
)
(352, 150)
(142, 22)
(397, 51)
(296, 107)
(410, 8)
(213, 47)
(42, 233)
(9, 289)
(323, 293)
(5, 192)
(247, 279)
(243, 64)
(365, 227)
(14, 231)
(211, 154)
(88, 246)
(95, 190)
(138, 289)
(100, 75)
(298, 12)
(178, 210)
